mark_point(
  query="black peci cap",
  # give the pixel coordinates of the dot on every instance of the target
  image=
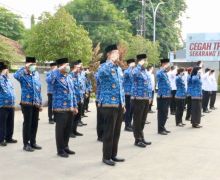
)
(129, 61)
(30, 60)
(62, 61)
(53, 64)
(164, 60)
(111, 48)
(141, 56)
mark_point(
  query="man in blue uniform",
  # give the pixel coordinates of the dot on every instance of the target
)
(7, 103)
(163, 97)
(53, 66)
(112, 104)
(64, 105)
(82, 82)
(127, 88)
(31, 102)
(79, 98)
(88, 89)
(141, 95)
(100, 121)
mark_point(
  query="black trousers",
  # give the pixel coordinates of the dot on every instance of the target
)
(50, 111)
(162, 112)
(87, 99)
(63, 128)
(30, 124)
(6, 124)
(100, 123)
(189, 107)
(180, 104)
(151, 103)
(113, 118)
(213, 99)
(140, 110)
(129, 110)
(173, 102)
(83, 105)
(76, 119)
(205, 100)
(196, 111)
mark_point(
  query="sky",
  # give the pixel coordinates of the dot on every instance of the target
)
(201, 15)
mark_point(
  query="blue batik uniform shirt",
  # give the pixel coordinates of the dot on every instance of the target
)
(64, 97)
(128, 80)
(196, 91)
(111, 88)
(30, 87)
(49, 85)
(180, 88)
(141, 88)
(164, 87)
(7, 95)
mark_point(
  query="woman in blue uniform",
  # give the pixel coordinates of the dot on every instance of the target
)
(196, 95)
(180, 97)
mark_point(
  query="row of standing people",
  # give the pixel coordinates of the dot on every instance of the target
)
(117, 93)
(74, 84)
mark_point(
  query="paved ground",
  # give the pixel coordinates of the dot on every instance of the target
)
(186, 154)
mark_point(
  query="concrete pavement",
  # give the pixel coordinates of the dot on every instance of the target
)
(185, 154)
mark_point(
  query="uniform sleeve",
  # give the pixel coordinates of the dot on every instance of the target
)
(51, 77)
(2, 84)
(19, 74)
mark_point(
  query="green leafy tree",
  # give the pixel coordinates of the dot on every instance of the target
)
(104, 22)
(168, 25)
(58, 36)
(137, 45)
(11, 25)
(8, 53)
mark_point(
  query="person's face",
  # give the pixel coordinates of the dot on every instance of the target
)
(5, 72)
(114, 55)
(53, 67)
(132, 64)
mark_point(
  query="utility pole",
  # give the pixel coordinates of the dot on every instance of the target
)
(141, 20)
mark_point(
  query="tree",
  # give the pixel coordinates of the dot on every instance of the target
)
(137, 45)
(168, 24)
(8, 52)
(104, 22)
(11, 25)
(58, 36)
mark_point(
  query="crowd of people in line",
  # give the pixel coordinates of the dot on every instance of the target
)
(121, 95)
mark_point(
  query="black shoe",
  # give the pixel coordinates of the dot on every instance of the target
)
(78, 134)
(88, 111)
(128, 128)
(206, 111)
(99, 139)
(35, 146)
(116, 159)
(213, 108)
(11, 141)
(162, 133)
(183, 124)
(166, 131)
(146, 143)
(108, 162)
(140, 144)
(51, 122)
(80, 124)
(72, 135)
(197, 126)
(173, 113)
(3, 143)
(179, 125)
(151, 111)
(28, 148)
(68, 151)
(147, 122)
(84, 115)
(187, 119)
(63, 154)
